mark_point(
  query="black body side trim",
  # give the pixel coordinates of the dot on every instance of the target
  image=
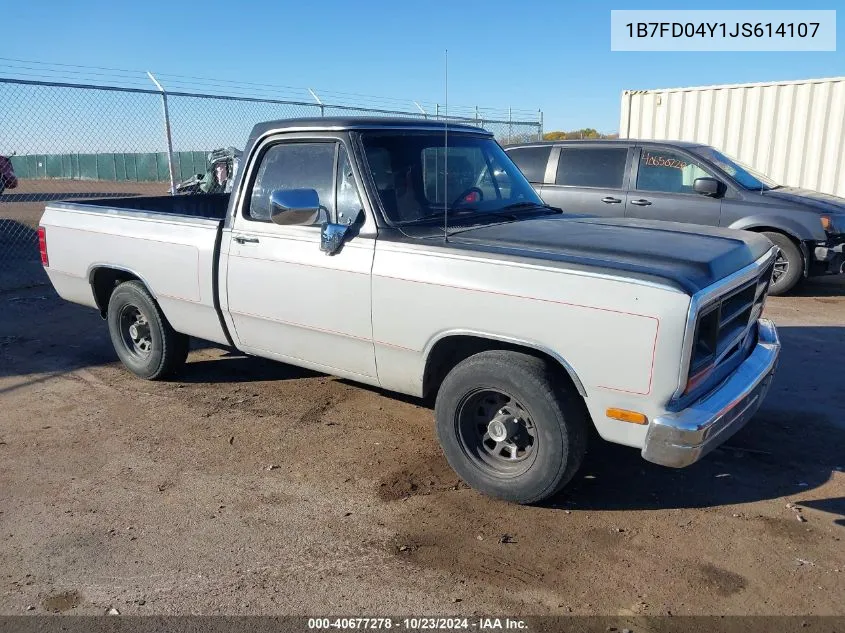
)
(215, 283)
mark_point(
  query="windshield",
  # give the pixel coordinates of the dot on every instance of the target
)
(416, 176)
(747, 177)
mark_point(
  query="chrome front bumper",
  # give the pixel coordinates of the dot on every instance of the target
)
(679, 439)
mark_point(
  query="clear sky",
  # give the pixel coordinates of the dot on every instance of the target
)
(530, 55)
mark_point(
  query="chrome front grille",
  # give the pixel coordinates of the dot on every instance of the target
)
(725, 333)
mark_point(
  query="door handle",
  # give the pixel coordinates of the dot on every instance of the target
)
(244, 240)
(641, 202)
(610, 200)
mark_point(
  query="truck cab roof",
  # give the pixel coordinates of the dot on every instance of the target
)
(359, 123)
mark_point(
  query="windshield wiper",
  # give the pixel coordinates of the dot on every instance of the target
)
(535, 205)
(463, 213)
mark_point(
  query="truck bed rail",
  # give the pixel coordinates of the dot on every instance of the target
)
(208, 206)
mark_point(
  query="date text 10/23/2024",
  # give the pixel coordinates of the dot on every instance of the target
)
(420, 623)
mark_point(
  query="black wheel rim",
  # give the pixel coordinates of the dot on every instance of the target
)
(496, 433)
(135, 332)
(781, 267)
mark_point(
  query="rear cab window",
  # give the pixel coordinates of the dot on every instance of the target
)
(532, 161)
(594, 167)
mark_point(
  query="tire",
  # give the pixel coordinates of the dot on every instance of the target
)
(153, 349)
(544, 421)
(789, 266)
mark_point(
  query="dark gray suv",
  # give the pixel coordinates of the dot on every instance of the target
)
(688, 182)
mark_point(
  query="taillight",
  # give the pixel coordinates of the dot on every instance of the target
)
(42, 246)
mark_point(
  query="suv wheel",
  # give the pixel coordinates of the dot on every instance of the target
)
(789, 264)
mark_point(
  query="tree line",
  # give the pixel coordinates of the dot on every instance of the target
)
(584, 133)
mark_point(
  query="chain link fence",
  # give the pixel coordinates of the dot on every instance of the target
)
(72, 141)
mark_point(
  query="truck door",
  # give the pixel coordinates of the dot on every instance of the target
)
(285, 299)
(661, 188)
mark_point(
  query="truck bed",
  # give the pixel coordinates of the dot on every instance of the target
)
(208, 206)
(168, 242)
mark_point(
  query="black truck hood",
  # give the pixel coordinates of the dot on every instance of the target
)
(821, 202)
(692, 256)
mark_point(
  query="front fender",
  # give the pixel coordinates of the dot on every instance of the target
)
(798, 228)
(514, 341)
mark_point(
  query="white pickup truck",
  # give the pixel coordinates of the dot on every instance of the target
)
(400, 254)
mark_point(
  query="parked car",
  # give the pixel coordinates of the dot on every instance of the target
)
(334, 253)
(8, 180)
(689, 182)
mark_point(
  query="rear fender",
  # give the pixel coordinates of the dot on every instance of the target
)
(102, 286)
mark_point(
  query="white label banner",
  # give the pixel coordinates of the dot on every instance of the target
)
(722, 30)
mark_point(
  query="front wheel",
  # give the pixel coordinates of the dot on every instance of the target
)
(144, 341)
(510, 427)
(789, 264)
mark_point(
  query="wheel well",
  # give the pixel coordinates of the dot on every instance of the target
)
(771, 229)
(802, 247)
(451, 350)
(103, 282)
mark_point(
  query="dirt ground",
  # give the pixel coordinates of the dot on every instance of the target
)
(21, 209)
(247, 486)
(25, 203)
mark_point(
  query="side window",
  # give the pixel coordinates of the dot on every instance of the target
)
(667, 171)
(598, 167)
(532, 161)
(349, 206)
(294, 166)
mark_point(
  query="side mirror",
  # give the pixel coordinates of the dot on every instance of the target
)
(707, 187)
(294, 206)
(331, 237)
(350, 219)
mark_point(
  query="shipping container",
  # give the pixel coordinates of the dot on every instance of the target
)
(792, 131)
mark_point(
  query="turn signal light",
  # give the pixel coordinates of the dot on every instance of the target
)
(825, 219)
(623, 415)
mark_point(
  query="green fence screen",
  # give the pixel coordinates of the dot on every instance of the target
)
(120, 167)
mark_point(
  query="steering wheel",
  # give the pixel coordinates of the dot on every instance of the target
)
(463, 198)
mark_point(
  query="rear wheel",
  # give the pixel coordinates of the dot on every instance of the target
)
(789, 264)
(144, 341)
(510, 427)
